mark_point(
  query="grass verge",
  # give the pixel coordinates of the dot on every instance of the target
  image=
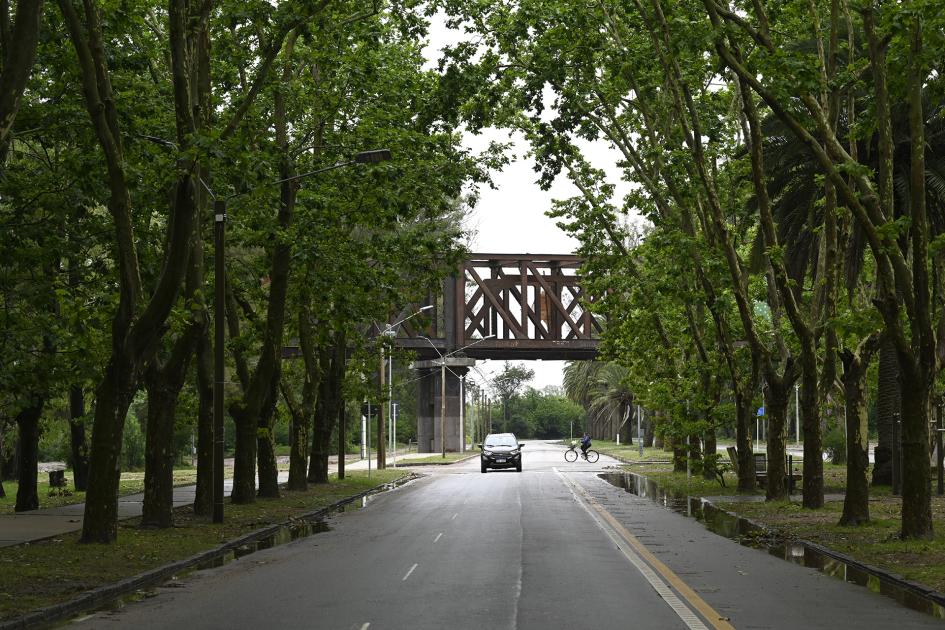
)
(875, 543)
(41, 574)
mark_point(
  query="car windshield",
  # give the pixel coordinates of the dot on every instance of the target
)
(500, 440)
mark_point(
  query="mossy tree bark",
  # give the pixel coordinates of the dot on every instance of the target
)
(137, 325)
(776, 404)
(19, 44)
(328, 406)
(856, 505)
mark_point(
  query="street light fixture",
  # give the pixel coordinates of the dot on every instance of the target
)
(219, 255)
(443, 358)
(372, 157)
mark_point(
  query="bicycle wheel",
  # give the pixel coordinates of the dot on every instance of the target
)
(570, 455)
(592, 456)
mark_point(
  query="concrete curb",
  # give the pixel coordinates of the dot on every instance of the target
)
(99, 596)
(919, 590)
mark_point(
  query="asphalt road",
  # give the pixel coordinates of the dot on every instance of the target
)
(551, 547)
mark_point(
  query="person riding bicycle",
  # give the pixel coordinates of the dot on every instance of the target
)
(585, 444)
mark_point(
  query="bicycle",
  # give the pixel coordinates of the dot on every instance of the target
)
(571, 455)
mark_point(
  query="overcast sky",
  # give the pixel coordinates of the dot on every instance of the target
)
(511, 219)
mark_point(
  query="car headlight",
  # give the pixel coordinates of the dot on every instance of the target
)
(487, 452)
(515, 452)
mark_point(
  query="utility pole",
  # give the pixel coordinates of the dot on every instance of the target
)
(640, 428)
(443, 406)
(381, 446)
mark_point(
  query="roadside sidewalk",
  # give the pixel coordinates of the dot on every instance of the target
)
(24, 527)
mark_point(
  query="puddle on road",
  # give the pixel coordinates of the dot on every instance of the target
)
(752, 535)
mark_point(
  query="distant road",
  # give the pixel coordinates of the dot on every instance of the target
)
(551, 547)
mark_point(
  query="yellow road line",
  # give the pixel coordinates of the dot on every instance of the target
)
(719, 622)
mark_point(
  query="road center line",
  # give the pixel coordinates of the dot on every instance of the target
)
(366, 626)
(617, 532)
(404, 579)
(454, 516)
(437, 537)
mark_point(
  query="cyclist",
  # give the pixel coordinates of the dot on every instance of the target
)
(585, 444)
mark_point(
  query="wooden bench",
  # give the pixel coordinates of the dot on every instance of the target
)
(761, 468)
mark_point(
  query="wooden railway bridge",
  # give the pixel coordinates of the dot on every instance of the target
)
(497, 306)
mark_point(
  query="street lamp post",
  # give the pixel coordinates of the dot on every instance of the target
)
(394, 429)
(640, 428)
(389, 332)
(219, 266)
(219, 332)
(462, 411)
(443, 406)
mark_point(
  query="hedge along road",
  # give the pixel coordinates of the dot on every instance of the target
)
(551, 547)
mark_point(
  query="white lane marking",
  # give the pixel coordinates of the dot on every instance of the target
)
(404, 579)
(437, 537)
(454, 516)
(684, 612)
(366, 626)
(517, 597)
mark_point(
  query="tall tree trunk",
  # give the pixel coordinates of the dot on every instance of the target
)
(164, 382)
(776, 403)
(327, 407)
(244, 461)
(744, 414)
(710, 456)
(323, 422)
(158, 508)
(888, 408)
(916, 472)
(135, 333)
(303, 413)
(263, 393)
(19, 52)
(694, 449)
(856, 505)
(680, 453)
(27, 422)
(813, 444)
(648, 433)
(298, 455)
(113, 397)
(919, 374)
(77, 440)
(203, 352)
(266, 444)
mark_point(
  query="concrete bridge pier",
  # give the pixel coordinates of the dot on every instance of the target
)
(430, 403)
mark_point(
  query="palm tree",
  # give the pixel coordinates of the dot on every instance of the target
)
(793, 185)
(602, 389)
